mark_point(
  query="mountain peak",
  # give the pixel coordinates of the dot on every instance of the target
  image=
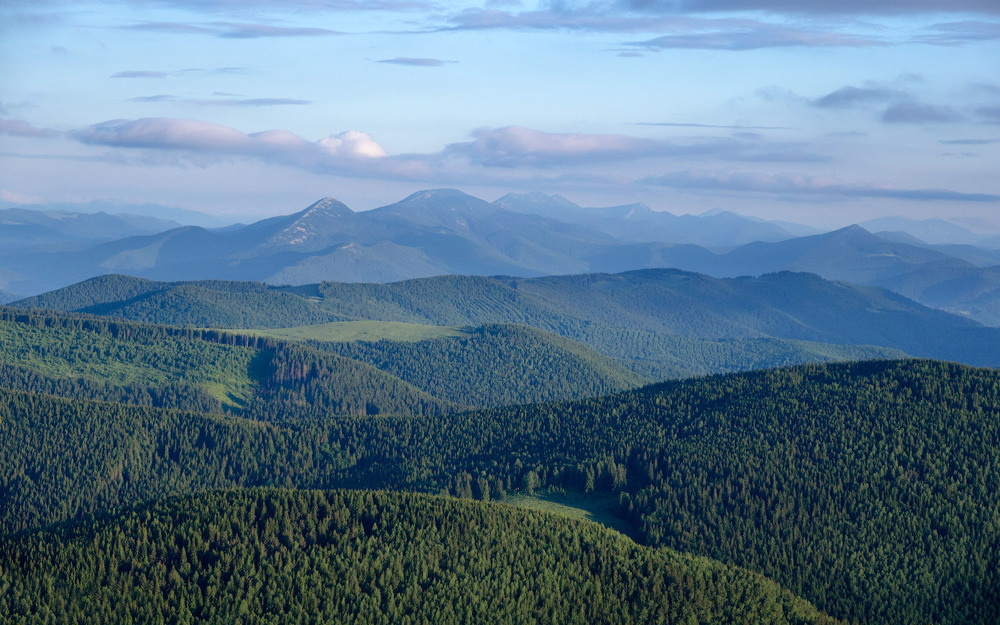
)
(327, 206)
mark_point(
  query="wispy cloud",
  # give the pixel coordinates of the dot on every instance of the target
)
(226, 101)
(21, 128)
(960, 33)
(515, 146)
(801, 185)
(231, 30)
(740, 35)
(968, 141)
(676, 31)
(140, 74)
(849, 96)
(416, 62)
(918, 113)
(990, 114)
(718, 126)
(898, 106)
(815, 7)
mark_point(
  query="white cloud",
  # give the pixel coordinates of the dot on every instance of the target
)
(352, 144)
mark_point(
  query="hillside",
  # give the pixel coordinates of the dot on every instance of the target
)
(276, 379)
(496, 365)
(259, 556)
(658, 323)
(869, 489)
(253, 377)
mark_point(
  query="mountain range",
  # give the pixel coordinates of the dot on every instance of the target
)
(445, 231)
(658, 322)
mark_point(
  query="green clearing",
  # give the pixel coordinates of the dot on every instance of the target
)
(368, 331)
(596, 508)
(226, 372)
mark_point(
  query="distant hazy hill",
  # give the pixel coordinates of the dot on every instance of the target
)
(444, 231)
(639, 223)
(22, 229)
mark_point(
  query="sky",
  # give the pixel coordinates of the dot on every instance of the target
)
(820, 112)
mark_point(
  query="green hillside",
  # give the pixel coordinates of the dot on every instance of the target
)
(868, 489)
(496, 365)
(274, 379)
(255, 377)
(661, 324)
(366, 557)
(63, 349)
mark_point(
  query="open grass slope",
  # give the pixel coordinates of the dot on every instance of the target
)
(368, 331)
(267, 556)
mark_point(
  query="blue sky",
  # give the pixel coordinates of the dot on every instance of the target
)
(819, 112)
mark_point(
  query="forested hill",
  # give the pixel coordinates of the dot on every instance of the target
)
(267, 556)
(653, 321)
(868, 489)
(273, 379)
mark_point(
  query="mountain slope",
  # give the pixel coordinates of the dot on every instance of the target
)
(383, 558)
(496, 365)
(254, 377)
(868, 489)
(620, 315)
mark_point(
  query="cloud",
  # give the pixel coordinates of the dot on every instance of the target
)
(352, 144)
(804, 185)
(250, 102)
(990, 113)
(724, 127)
(21, 128)
(515, 146)
(681, 31)
(231, 30)
(969, 141)
(740, 35)
(140, 74)
(848, 97)
(174, 141)
(960, 33)
(161, 97)
(819, 7)
(416, 62)
(917, 113)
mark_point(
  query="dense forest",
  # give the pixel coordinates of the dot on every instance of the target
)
(868, 489)
(495, 365)
(271, 556)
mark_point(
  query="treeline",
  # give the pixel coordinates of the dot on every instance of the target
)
(869, 489)
(366, 557)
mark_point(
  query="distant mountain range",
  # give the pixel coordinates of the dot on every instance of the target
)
(444, 231)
